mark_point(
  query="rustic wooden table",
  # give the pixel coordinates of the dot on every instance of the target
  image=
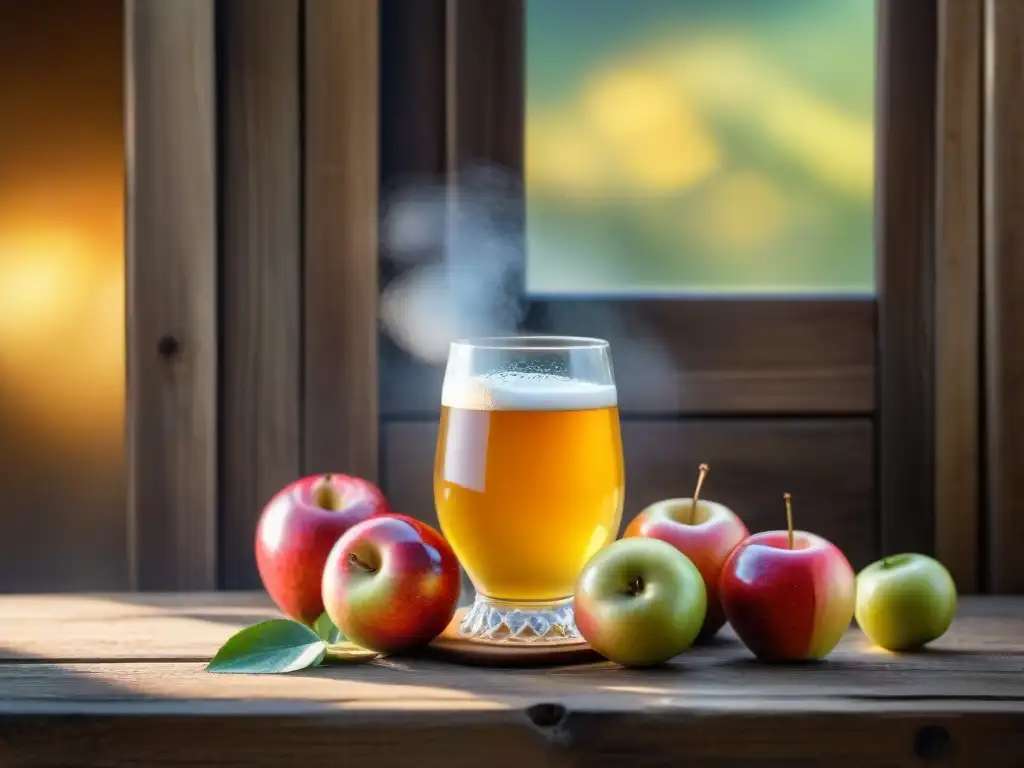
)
(118, 680)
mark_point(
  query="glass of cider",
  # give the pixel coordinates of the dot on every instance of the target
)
(528, 477)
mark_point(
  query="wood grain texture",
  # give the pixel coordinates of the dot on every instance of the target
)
(723, 676)
(115, 605)
(485, 101)
(699, 357)
(1004, 291)
(261, 267)
(958, 254)
(341, 67)
(412, 125)
(961, 703)
(905, 239)
(987, 636)
(171, 293)
(705, 735)
(731, 357)
(825, 464)
(172, 627)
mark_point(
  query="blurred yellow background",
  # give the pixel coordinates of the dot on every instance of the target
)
(61, 218)
(62, 316)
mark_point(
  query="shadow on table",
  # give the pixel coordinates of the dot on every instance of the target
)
(32, 680)
(724, 668)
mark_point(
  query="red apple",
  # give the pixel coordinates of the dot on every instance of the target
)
(704, 531)
(297, 530)
(391, 583)
(788, 594)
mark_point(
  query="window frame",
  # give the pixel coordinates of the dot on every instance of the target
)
(811, 356)
(871, 357)
(1002, 449)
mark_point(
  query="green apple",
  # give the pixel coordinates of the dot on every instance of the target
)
(639, 602)
(905, 601)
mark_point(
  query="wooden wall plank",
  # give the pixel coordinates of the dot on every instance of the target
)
(597, 730)
(958, 501)
(905, 203)
(171, 266)
(701, 357)
(341, 266)
(486, 43)
(413, 103)
(261, 270)
(1004, 292)
(826, 465)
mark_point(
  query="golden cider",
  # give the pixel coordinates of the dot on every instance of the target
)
(526, 495)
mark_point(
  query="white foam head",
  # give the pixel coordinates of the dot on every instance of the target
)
(519, 391)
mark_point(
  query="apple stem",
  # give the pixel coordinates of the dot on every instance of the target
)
(326, 495)
(354, 559)
(703, 469)
(789, 517)
(636, 586)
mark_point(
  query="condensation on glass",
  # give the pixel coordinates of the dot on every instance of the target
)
(62, 318)
(690, 146)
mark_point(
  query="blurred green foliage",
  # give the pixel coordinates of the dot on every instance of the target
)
(700, 146)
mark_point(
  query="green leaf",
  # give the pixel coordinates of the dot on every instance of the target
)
(325, 628)
(268, 648)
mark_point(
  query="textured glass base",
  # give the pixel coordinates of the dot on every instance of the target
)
(496, 621)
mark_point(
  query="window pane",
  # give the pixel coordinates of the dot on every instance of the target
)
(700, 146)
(62, 319)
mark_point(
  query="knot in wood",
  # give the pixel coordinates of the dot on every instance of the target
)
(546, 715)
(168, 347)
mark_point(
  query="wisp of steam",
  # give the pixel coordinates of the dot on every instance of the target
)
(458, 251)
(459, 247)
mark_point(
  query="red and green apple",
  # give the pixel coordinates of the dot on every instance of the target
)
(789, 595)
(639, 602)
(296, 531)
(704, 531)
(391, 584)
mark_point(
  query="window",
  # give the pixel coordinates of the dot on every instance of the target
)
(695, 147)
(748, 343)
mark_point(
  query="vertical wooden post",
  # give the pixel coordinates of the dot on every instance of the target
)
(958, 291)
(341, 261)
(261, 272)
(1004, 292)
(485, 97)
(905, 239)
(172, 279)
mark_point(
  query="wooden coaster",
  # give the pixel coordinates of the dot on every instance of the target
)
(449, 646)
